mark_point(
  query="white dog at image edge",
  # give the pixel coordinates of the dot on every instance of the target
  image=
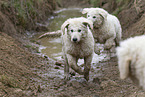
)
(131, 60)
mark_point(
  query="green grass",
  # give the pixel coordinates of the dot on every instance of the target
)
(121, 5)
(95, 3)
(25, 10)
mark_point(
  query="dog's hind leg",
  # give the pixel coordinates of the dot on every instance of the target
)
(87, 67)
(72, 61)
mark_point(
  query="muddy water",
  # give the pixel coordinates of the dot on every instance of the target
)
(51, 46)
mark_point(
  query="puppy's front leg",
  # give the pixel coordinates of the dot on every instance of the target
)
(96, 49)
(109, 43)
(87, 67)
(66, 68)
(72, 61)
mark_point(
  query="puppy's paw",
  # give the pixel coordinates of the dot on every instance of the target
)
(107, 47)
(67, 77)
(97, 51)
(72, 72)
(86, 77)
(109, 44)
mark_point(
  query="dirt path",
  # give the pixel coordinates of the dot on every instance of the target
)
(18, 79)
(106, 84)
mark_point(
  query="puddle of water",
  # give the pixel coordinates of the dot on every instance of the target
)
(54, 22)
(51, 47)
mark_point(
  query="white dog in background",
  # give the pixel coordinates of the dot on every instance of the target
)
(107, 28)
(77, 42)
(131, 59)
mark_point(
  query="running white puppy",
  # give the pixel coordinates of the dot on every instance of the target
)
(107, 28)
(131, 59)
(77, 42)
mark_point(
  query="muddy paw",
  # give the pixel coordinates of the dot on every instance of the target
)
(72, 72)
(97, 51)
(107, 47)
(67, 77)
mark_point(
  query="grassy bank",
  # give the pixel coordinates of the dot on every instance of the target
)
(17, 16)
(113, 6)
(24, 14)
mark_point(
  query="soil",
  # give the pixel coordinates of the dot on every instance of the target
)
(20, 70)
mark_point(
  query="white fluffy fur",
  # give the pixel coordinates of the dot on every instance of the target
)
(82, 48)
(107, 28)
(131, 59)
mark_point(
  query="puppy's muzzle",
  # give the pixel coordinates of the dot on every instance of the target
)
(75, 39)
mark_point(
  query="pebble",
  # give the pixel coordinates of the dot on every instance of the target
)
(74, 83)
(17, 90)
(105, 84)
(96, 80)
(56, 67)
(58, 63)
(1, 83)
(95, 96)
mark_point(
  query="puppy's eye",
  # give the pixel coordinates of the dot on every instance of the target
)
(88, 15)
(94, 17)
(72, 30)
(79, 30)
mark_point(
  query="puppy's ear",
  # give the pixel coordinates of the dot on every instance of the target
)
(88, 23)
(64, 27)
(103, 15)
(85, 10)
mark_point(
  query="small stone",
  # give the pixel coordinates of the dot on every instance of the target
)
(1, 83)
(95, 96)
(17, 90)
(58, 63)
(75, 84)
(91, 85)
(39, 89)
(83, 81)
(63, 95)
(45, 57)
(56, 68)
(105, 84)
(96, 80)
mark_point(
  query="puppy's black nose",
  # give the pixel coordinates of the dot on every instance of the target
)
(74, 39)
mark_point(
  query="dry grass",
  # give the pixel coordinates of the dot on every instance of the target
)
(9, 81)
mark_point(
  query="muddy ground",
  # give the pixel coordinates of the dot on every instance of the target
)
(22, 73)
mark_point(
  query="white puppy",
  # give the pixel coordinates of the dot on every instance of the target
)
(131, 59)
(77, 42)
(107, 28)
